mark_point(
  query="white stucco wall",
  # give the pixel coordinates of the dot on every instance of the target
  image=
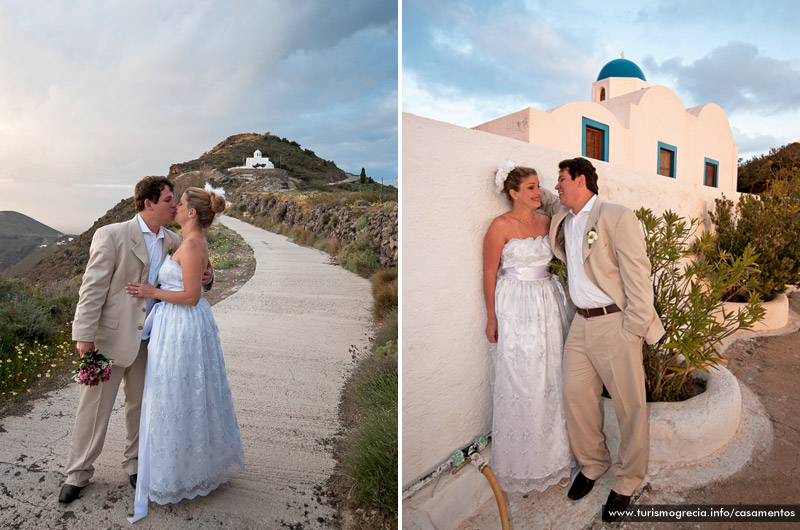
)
(448, 203)
(637, 121)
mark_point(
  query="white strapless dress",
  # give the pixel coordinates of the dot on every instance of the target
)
(189, 441)
(530, 448)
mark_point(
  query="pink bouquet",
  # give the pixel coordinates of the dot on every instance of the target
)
(93, 369)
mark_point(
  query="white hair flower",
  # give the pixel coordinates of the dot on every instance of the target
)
(501, 174)
(215, 191)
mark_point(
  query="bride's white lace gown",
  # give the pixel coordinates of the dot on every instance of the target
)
(530, 448)
(189, 441)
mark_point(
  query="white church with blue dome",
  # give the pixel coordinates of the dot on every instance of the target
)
(634, 124)
(650, 152)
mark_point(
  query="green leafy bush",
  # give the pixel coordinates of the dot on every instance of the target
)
(360, 256)
(25, 319)
(34, 325)
(361, 222)
(770, 224)
(690, 280)
(387, 331)
(370, 449)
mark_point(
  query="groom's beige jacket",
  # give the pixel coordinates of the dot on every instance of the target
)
(616, 261)
(106, 314)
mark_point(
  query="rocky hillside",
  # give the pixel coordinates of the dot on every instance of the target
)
(21, 236)
(330, 216)
(299, 169)
(780, 163)
(301, 164)
(70, 260)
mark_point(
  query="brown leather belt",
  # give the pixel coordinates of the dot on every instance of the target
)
(596, 312)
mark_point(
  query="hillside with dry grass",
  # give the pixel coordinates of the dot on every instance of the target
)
(302, 164)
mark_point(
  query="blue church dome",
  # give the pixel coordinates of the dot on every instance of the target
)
(621, 68)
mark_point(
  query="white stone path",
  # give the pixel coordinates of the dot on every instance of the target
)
(286, 335)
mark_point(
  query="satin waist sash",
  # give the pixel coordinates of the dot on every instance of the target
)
(526, 274)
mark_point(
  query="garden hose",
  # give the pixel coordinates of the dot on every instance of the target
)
(458, 461)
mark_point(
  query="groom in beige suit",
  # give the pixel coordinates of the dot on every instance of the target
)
(111, 321)
(609, 283)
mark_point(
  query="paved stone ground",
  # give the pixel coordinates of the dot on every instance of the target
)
(760, 466)
(286, 336)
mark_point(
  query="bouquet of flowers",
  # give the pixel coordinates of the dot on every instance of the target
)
(93, 369)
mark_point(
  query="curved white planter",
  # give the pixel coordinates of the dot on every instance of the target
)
(776, 316)
(692, 429)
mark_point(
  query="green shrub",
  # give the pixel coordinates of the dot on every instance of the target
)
(25, 319)
(371, 449)
(360, 256)
(770, 224)
(387, 331)
(384, 292)
(690, 280)
(33, 324)
(319, 186)
(361, 222)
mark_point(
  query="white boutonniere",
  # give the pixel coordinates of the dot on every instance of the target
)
(591, 236)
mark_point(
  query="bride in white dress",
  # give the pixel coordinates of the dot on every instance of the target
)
(527, 318)
(189, 441)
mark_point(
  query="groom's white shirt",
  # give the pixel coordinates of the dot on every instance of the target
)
(155, 248)
(583, 292)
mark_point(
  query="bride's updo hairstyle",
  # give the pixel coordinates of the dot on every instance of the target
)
(206, 204)
(515, 178)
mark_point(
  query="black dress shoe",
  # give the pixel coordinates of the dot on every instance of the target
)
(581, 486)
(614, 505)
(69, 493)
(132, 480)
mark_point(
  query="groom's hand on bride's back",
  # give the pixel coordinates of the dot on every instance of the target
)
(208, 277)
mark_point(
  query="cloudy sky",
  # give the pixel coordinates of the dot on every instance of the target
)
(467, 62)
(95, 95)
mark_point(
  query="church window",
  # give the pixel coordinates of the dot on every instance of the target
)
(602, 94)
(711, 172)
(667, 158)
(595, 140)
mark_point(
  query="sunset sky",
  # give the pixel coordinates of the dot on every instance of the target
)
(96, 95)
(467, 62)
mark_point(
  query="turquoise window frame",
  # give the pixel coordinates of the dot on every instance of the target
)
(716, 173)
(674, 151)
(597, 125)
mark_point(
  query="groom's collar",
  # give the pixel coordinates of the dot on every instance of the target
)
(146, 229)
(586, 207)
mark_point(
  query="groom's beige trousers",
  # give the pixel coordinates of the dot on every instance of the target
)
(599, 351)
(94, 412)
